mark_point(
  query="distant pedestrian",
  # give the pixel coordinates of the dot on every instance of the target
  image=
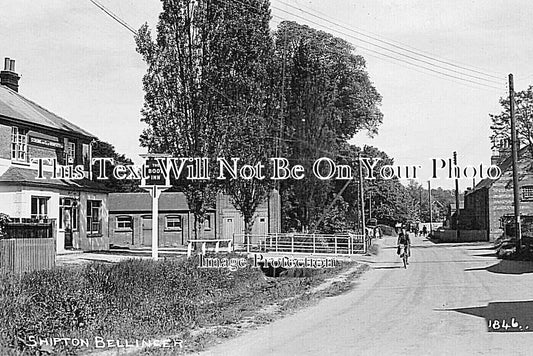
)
(424, 231)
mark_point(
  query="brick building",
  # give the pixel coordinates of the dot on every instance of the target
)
(489, 200)
(130, 221)
(28, 132)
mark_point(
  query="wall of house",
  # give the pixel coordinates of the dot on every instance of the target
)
(15, 201)
(5, 141)
(92, 242)
(501, 203)
(477, 210)
(42, 151)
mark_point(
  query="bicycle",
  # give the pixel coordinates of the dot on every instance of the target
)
(404, 255)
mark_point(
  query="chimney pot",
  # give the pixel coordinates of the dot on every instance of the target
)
(8, 77)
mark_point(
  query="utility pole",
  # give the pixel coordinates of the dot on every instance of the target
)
(370, 205)
(514, 149)
(420, 208)
(430, 210)
(457, 207)
(362, 197)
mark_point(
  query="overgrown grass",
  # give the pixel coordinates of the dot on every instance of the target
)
(134, 299)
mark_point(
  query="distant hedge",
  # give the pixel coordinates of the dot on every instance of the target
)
(133, 299)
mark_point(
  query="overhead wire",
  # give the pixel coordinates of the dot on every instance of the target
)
(127, 26)
(389, 42)
(380, 53)
(406, 56)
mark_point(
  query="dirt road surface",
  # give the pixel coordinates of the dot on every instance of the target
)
(441, 304)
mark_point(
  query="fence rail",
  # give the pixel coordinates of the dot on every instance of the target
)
(26, 255)
(336, 244)
(27, 246)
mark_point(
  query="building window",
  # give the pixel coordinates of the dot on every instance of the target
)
(68, 214)
(39, 207)
(124, 223)
(207, 222)
(86, 156)
(94, 218)
(527, 193)
(173, 222)
(19, 144)
(70, 152)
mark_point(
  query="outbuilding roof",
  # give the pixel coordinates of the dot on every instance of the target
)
(15, 106)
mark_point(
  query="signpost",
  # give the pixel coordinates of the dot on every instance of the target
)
(155, 182)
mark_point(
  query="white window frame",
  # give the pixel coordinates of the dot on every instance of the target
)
(94, 206)
(171, 220)
(41, 207)
(208, 222)
(70, 153)
(124, 222)
(527, 192)
(19, 144)
(69, 202)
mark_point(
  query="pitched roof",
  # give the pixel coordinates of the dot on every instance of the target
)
(137, 202)
(26, 176)
(15, 106)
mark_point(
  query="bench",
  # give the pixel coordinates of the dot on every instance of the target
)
(205, 242)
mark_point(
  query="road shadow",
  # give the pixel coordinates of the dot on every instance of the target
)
(482, 248)
(413, 246)
(389, 267)
(507, 267)
(515, 316)
(489, 254)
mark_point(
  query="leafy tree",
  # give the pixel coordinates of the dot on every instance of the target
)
(245, 54)
(501, 123)
(106, 150)
(328, 98)
(440, 201)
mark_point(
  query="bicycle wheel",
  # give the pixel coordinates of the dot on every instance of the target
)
(404, 260)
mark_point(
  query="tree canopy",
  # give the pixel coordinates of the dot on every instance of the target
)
(501, 123)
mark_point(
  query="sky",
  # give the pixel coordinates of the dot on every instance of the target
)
(82, 65)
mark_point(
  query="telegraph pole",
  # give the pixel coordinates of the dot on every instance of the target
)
(362, 197)
(430, 210)
(457, 207)
(514, 149)
(370, 205)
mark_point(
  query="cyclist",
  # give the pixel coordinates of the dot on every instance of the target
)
(404, 243)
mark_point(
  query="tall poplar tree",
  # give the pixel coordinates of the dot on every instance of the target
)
(205, 81)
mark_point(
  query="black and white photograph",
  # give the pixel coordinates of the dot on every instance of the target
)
(266, 177)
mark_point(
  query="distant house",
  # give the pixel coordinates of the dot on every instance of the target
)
(490, 200)
(130, 222)
(27, 132)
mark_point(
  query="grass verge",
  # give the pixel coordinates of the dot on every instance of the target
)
(141, 300)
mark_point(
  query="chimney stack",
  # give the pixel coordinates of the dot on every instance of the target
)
(501, 150)
(8, 76)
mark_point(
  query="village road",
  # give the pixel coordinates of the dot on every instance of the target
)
(441, 304)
